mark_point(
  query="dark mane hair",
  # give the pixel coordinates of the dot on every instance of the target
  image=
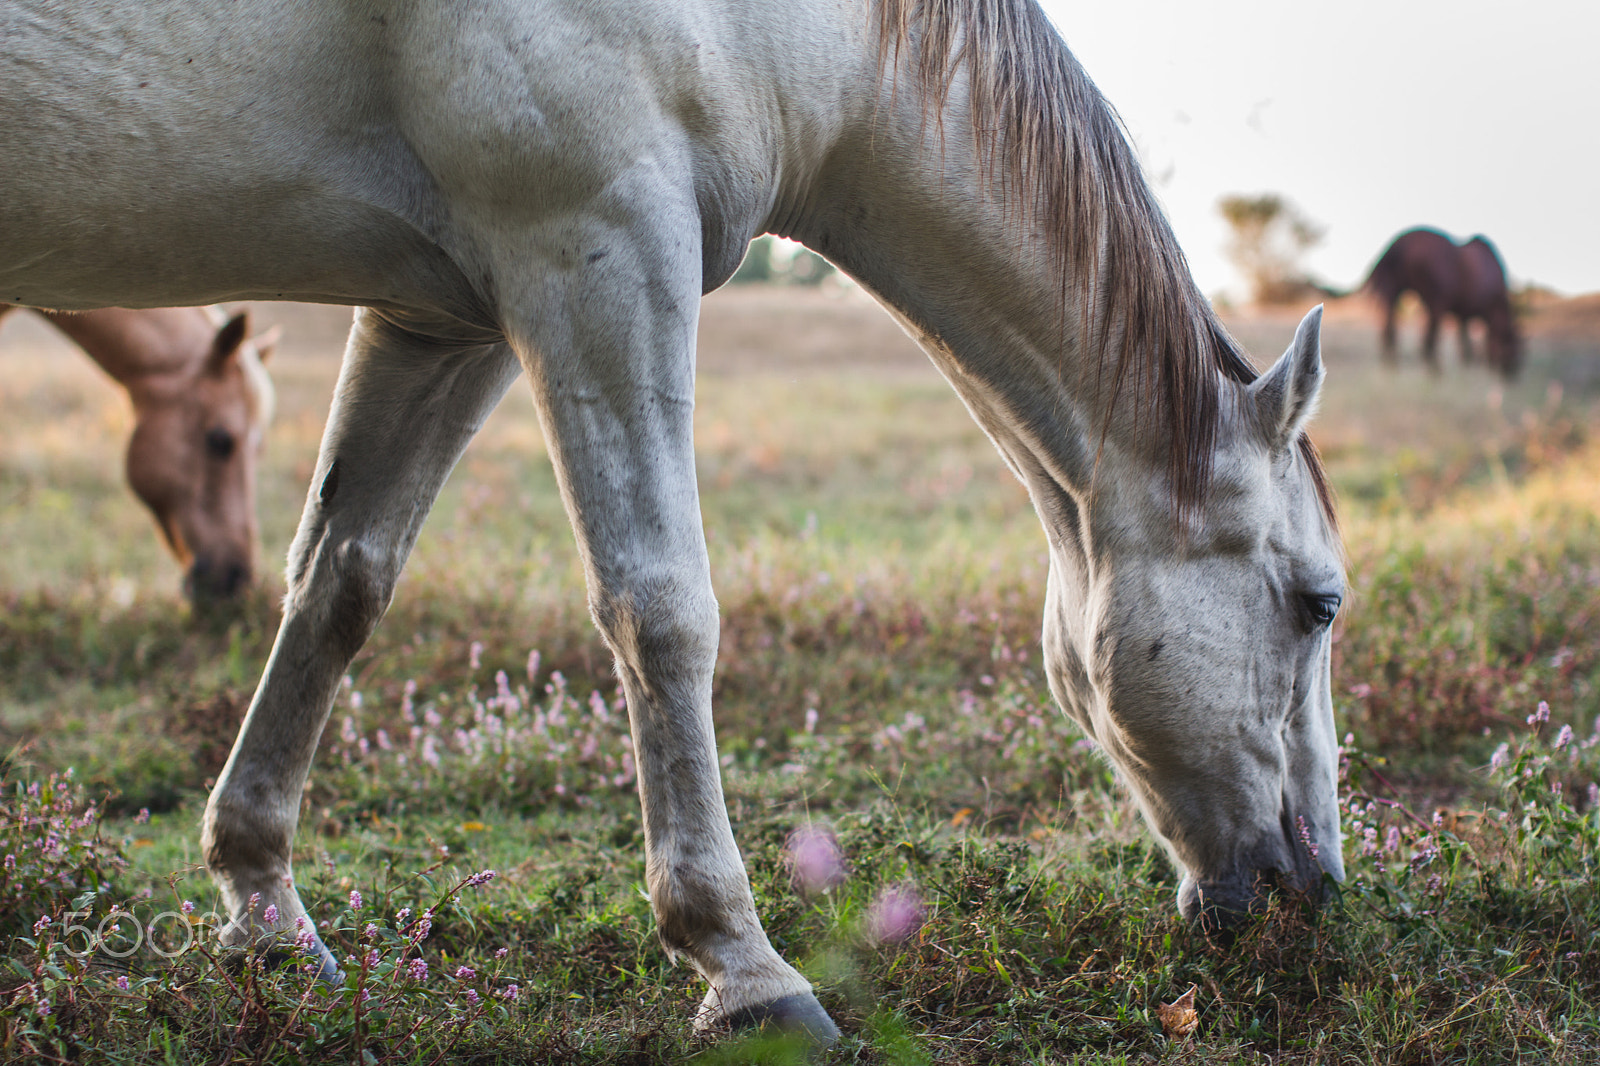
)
(1044, 133)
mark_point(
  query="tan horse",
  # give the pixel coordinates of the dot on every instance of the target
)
(201, 401)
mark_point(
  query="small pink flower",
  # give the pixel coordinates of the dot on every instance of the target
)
(482, 877)
(501, 953)
(372, 958)
(250, 905)
(402, 914)
(122, 983)
(895, 915)
(270, 915)
(1540, 714)
(815, 860)
(1305, 836)
(510, 992)
(418, 969)
(41, 925)
(186, 907)
(1564, 737)
(472, 997)
(465, 973)
(370, 932)
(142, 817)
(475, 654)
(355, 900)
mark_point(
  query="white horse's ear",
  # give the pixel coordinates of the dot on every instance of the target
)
(1284, 397)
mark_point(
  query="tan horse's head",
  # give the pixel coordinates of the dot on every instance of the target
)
(192, 459)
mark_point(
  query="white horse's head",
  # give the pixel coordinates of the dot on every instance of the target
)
(1199, 658)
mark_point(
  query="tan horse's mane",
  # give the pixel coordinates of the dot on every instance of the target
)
(1043, 131)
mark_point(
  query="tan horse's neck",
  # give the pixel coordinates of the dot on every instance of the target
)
(139, 348)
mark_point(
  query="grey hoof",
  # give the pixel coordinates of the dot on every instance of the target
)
(328, 971)
(797, 1015)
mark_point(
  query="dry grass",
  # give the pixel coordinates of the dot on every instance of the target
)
(876, 565)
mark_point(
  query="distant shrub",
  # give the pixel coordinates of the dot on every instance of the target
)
(776, 261)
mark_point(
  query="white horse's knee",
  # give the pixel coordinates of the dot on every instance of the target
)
(347, 585)
(658, 625)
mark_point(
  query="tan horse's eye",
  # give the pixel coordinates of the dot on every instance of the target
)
(219, 443)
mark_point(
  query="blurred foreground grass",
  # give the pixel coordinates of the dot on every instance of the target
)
(881, 580)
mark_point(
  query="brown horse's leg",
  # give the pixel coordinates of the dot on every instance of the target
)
(406, 406)
(1391, 355)
(1468, 356)
(1430, 339)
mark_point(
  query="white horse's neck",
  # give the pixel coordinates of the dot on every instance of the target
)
(915, 215)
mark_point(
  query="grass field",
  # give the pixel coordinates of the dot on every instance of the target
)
(881, 579)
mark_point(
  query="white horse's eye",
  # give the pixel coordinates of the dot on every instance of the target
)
(1321, 607)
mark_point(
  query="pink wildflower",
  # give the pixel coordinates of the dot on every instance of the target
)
(186, 907)
(482, 877)
(41, 925)
(142, 817)
(465, 973)
(816, 863)
(122, 983)
(895, 915)
(270, 915)
(355, 900)
(472, 997)
(1540, 715)
(1305, 836)
(510, 992)
(418, 970)
(1564, 737)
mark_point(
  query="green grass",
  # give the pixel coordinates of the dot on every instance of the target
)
(875, 566)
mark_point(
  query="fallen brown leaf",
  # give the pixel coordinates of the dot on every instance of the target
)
(1178, 1018)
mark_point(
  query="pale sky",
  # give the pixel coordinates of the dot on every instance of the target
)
(1370, 115)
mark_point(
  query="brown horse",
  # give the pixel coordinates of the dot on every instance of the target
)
(201, 400)
(1465, 280)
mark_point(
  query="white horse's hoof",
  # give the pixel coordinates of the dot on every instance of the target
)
(796, 1015)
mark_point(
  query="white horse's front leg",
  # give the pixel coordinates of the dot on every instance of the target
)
(609, 349)
(405, 408)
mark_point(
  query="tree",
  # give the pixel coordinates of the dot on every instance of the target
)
(1269, 237)
(781, 262)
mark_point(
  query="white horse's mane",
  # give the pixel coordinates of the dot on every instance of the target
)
(1051, 141)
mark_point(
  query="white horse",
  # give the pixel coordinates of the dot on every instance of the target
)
(548, 187)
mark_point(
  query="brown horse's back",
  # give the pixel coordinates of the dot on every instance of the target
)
(1423, 261)
(1467, 281)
